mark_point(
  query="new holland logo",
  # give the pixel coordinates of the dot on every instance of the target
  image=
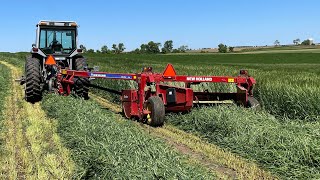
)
(97, 75)
(205, 79)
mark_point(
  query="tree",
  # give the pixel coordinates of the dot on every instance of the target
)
(143, 48)
(136, 51)
(183, 48)
(98, 51)
(175, 51)
(296, 41)
(277, 43)
(222, 48)
(306, 42)
(115, 48)
(150, 48)
(153, 48)
(121, 47)
(104, 49)
(90, 51)
(84, 49)
(167, 47)
(231, 49)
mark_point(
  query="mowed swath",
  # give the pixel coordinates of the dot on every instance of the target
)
(30, 147)
(106, 146)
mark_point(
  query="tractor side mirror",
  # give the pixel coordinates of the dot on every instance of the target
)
(33, 45)
(81, 46)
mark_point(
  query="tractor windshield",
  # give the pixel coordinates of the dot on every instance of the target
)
(53, 41)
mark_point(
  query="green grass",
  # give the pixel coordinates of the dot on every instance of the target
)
(4, 89)
(289, 149)
(286, 83)
(211, 59)
(283, 138)
(16, 59)
(105, 146)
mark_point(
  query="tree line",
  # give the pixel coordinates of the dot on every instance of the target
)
(157, 48)
(149, 48)
(297, 42)
(222, 48)
(116, 49)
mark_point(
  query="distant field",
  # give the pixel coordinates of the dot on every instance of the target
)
(265, 49)
(275, 50)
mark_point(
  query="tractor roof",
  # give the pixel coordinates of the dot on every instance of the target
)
(57, 23)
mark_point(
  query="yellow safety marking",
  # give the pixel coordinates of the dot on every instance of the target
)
(63, 71)
(230, 80)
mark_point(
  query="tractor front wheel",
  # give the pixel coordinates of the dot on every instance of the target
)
(156, 107)
(33, 92)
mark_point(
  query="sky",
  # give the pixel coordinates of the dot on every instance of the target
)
(197, 23)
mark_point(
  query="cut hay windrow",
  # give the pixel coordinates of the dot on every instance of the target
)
(104, 146)
(30, 147)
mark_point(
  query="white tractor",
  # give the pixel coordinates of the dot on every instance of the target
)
(56, 46)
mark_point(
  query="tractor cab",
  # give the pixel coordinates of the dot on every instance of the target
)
(57, 38)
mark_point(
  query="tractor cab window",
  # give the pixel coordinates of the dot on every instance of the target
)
(57, 41)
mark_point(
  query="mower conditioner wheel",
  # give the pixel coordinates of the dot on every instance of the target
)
(33, 92)
(156, 106)
(253, 103)
(81, 84)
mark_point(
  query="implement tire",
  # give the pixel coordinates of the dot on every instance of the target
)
(156, 107)
(33, 92)
(81, 85)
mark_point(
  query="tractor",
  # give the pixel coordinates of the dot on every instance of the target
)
(56, 44)
(56, 65)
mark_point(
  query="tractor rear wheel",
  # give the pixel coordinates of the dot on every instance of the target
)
(253, 103)
(156, 107)
(81, 87)
(33, 92)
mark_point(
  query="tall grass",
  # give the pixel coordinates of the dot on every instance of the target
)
(286, 89)
(4, 88)
(290, 149)
(283, 138)
(16, 59)
(292, 96)
(104, 146)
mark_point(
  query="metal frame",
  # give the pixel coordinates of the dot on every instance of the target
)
(175, 99)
